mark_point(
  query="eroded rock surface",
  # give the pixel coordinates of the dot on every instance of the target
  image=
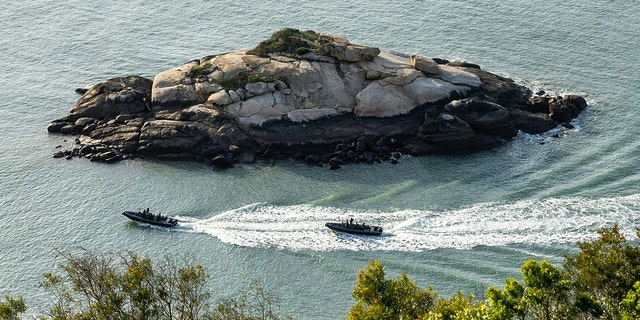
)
(324, 101)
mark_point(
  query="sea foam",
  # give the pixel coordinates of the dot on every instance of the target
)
(539, 222)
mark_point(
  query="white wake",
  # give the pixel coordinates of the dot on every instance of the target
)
(543, 222)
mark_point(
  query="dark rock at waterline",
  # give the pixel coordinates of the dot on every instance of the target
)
(222, 161)
(350, 104)
(564, 109)
(246, 157)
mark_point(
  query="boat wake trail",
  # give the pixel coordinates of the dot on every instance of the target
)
(541, 222)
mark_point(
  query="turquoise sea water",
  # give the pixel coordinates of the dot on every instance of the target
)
(459, 223)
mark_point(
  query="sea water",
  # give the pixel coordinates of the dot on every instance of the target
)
(455, 222)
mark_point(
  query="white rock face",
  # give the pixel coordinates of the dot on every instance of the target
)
(368, 82)
(382, 100)
(459, 76)
(170, 86)
(425, 65)
(220, 98)
(403, 87)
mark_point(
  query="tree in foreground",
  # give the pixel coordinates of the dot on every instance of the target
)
(253, 304)
(631, 303)
(601, 281)
(380, 298)
(125, 287)
(605, 270)
(11, 308)
(111, 286)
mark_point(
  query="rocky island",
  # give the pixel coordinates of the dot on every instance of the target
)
(308, 96)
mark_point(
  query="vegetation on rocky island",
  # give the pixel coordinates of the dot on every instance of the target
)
(290, 41)
(232, 81)
(601, 281)
(240, 80)
(200, 70)
(345, 104)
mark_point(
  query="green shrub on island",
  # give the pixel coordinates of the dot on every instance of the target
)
(231, 81)
(289, 41)
(240, 80)
(200, 71)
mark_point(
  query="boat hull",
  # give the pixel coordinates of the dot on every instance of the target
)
(355, 228)
(135, 216)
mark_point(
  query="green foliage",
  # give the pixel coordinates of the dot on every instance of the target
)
(458, 307)
(125, 287)
(601, 281)
(200, 71)
(379, 298)
(546, 290)
(587, 306)
(302, 50)
(508, 303)
(241, 79)
(289, 41)
(606, 269)
(255, 303)
(631, 303)
(11, 308)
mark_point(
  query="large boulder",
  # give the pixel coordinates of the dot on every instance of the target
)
(341, 49)
(113, 97)
(424, 64)
(483, 116)
(310, 96)
(563, 109)
(448, 134)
